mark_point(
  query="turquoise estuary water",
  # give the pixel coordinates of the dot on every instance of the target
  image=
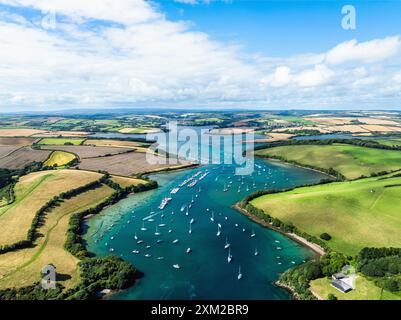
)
(205, 272)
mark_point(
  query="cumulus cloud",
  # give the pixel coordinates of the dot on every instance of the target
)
(366, 52)
(106, 53)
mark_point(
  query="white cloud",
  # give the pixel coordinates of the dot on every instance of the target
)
(314, 77)
(143, 59)
(281, 76)
(366, 52)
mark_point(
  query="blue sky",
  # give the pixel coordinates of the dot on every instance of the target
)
(198, 54)
(279, 28)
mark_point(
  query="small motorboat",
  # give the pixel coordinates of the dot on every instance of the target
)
(176, 266)
(227, 245)
(148, 255)
(239, 276)
(135, 251)
(139, 241)
(189, 250)
(175, 241)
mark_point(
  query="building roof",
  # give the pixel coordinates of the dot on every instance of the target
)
(338, 275)
(341, 285)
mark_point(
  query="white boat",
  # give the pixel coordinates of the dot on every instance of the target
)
(256, 253)
(187, 212)
(253, 234)
(112, 238)
(135, 251)
(239, 276)
(139, 241)
(170, 231)
(212, 217)
(192, 200)
(229, 256)
(160, 258)
(148, 255)
(182, 207)
(218, 230)
(175, 190)
(161, 224)
(192, 221)
(176, 266)
(189, 250)
(157, 233)
(164, 202)
(225, 188)
(193, 183)
(135, 236)
(243, 229)
(236, 225)
(175, 241)
(226, 218)
(143, 226)
(227, 245)
(111, 249)
(190, 229)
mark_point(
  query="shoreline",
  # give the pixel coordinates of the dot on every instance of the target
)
(297, 165)
(312, 246)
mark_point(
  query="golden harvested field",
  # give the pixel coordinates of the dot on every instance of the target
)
(19, 132)
(22, 157)
(22, 267)
(378, 121)
(48, 134)
(139, 130)
(126, 164)
(127, 182)
(84, 152)
(20, 142)
(112, 143)
(330, 120)
(347, 128)
(377, 128)
(32, 192)
(7, 150)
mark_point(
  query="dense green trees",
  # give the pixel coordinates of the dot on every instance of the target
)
(298, 278)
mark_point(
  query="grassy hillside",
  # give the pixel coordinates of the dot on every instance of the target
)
(357, 214)
(59, 159)
(61, 141)
(351, 161)
(364, 290)
(22, 267)
(31, 193)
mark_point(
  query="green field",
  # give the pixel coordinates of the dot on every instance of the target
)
(357, 214)
(390, 142)
(61, 141)
(22, 267)
(59, 159)
(364, 290)
(31, 193)
(351, 161)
